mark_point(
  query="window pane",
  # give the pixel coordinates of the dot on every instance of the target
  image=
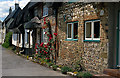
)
(88, 30)
(75, 31)
(97, 29)
(41, 35)
(69, 30)
(28, 37)
(45, 38)
(19, 38)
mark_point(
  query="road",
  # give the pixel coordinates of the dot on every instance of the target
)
(14, 65)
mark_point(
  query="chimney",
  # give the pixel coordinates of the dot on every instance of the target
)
(16, 6)
(10, 10)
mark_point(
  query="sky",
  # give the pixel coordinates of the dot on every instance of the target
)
(6, 4)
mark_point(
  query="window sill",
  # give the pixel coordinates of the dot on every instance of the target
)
(71, 39)
(91, 40)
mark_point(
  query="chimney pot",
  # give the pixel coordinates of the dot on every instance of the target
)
(10, 10)
(16, 5)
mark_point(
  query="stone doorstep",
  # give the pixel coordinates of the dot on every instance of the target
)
(112, 72)
(102, 76)
(71, 73)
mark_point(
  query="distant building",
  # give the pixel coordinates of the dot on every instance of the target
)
(0, 32)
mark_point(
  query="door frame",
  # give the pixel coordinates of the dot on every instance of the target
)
(117, 53)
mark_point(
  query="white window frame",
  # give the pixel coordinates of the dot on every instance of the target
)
(92, 30)
(45, 11)
(71, 30)
(72, 33)
(44, 35)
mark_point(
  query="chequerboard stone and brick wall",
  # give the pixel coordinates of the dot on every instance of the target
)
(94, 54)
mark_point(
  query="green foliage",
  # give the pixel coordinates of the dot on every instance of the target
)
(54, 67)
(84, 75)
(79, 74)
(65, 69)
(49, 64)
(87, 75)
(78, 66)
(6, 45)
(8, 40)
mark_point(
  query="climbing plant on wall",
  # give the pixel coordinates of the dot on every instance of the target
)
(46, 50)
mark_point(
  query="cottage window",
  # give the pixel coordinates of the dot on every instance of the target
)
(72, 30)
(92, 30)
(45, 11)
(28, 37)
(45, 38)
(19, 38)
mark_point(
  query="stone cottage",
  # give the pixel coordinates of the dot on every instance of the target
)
(0, 31)
(88, 32)
(38, 13)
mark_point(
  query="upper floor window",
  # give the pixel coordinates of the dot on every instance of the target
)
(72, 30)
(92, 30)
(19, 38)
(45, 11)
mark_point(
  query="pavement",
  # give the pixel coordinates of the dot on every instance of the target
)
(14, 66)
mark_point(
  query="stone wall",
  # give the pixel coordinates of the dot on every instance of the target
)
(94, 54)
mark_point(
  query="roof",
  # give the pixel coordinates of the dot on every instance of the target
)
(16, 20)
(13, 14)
(21, 16)
(33, 23)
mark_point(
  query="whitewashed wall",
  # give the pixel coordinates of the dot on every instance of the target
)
(31, 38)
(14, 39)
(15, 42)
(21, 41)
(0, 35)
(3, 34)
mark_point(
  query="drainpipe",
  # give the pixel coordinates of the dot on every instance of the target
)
(29, 42)
(56, 44)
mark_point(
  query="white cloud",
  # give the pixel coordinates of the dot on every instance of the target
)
(5, 5)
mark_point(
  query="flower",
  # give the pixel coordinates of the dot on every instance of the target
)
(55, 34)
(36, 51)
(36, 45)
(41, 45)
(51, 49)
(47, 58)
(50, 38)
(50, 35)
(44, 22)
(43, 27)
(44, 18)
(46, 46)
(40, 51)
(46, 52)
(45, 32)
(47, 19)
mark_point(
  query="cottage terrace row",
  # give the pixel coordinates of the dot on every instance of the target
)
(88, 32)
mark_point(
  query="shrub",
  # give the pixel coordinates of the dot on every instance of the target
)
(79, 74)
(54, 67)
(65, 69)
(83, 75)
(6, 45)
(87, 75)
(49, 64)
(60, 66)
(8, 40)
(79, 66)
